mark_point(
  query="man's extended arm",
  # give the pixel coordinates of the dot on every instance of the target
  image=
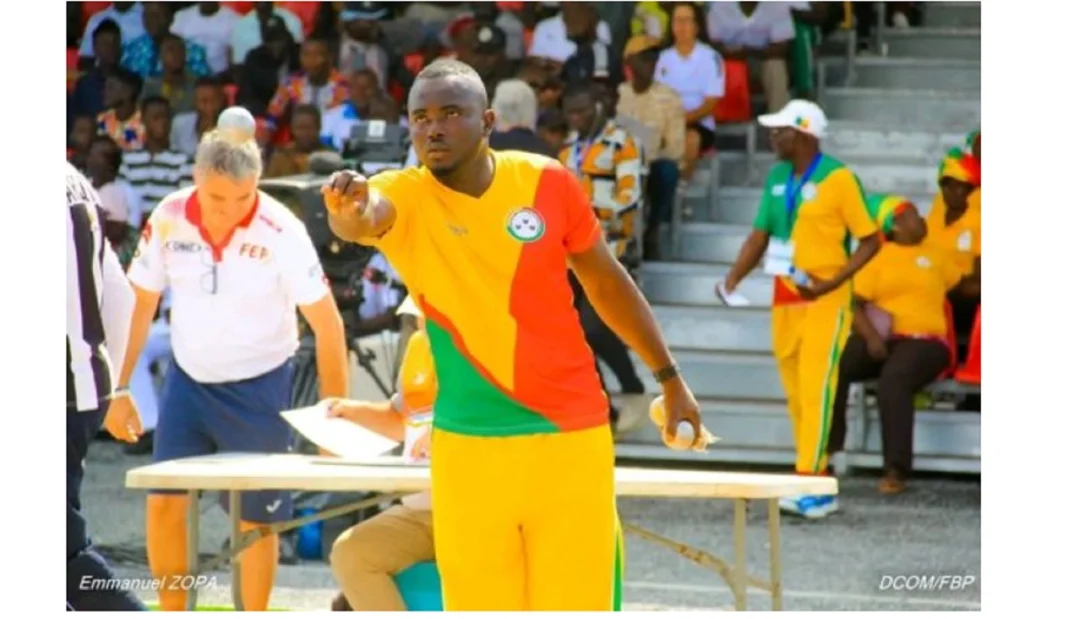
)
(145, 304)
(619, 302)
(360, 225)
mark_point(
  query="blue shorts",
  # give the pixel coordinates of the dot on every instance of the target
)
(197, 419)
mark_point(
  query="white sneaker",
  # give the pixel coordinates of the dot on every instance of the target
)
(809, 507)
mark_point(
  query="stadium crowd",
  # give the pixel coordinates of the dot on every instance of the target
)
(628, 96)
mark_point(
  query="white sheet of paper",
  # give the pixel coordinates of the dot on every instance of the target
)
(340, 437)
(731, 299)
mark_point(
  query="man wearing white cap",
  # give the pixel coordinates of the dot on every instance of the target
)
(238, 264)
(812, 208)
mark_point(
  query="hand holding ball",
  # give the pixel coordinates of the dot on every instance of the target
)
(685, 434)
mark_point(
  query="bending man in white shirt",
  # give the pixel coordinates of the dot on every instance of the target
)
(239, 265)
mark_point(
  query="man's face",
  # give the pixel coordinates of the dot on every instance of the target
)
(784, 141)
(448, 121)
(909, 227)
(116, 92)
(107, 47)
(955, 193)
(208, 101)
(641, 68)
(305, 132)
(224, 201)
(156, 18)
(81, 134)
(580, 20)
(157, 119)
(172, 55)
(98, 162)
(362, 88)
(362, 30)
(314, 57)
(580, 112)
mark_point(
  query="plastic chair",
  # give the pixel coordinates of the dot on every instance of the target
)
(970, 373)
(420, 587)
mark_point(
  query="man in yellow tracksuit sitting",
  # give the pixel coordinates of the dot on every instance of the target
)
(812, 208)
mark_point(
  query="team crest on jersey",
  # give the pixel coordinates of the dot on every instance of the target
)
(808, 192)
(526, 225)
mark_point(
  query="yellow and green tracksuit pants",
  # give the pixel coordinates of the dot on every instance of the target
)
(527, 522)
(807, 340)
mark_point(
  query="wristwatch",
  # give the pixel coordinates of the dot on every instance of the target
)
(667, 373)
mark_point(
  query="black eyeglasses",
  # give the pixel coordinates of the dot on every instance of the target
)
(209, 281)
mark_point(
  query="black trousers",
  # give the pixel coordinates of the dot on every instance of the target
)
(88, 575)
(606, 345)
(910, 366)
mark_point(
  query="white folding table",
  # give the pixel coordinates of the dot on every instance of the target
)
(237, 473)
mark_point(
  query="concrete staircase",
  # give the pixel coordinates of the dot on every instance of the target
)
(892, 124)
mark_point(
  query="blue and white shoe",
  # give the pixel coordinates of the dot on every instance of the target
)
(810, 507)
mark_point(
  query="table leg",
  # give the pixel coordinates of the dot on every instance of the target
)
(775, 541)
(235, 560)
(192, 548)
(739, 575)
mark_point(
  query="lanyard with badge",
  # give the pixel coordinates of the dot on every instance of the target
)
(780, 255)
(579, 153)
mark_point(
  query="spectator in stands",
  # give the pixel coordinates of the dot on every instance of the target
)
(592, 59)
(692, 68)
(899, 332)
(318, 83)
(210, 25)
(156, 169)
(517, 115)
(292, 158)
(555, 38)
(88, 96)
(267, 66)
(488, 13)
(552, 128)
(954, 223)
(338, 121)
(83, 128)
(760, 31)
(143, 55)
(121, 119)
(251, 30)
(607, 162)
(129, 16)
(209, 100)
(360, 48)
(486, 55)
(541, 75)
(175, 84)
(382, 292)
(659, 110)
(102, 166)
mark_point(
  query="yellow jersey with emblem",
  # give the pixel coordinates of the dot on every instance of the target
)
(490, 277)
(963, 238)
(819, 211)
(910, 283)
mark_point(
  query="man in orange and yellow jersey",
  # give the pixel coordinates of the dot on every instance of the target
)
(812, 209)
(523, 492)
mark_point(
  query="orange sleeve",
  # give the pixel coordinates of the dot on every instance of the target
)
(583, 228)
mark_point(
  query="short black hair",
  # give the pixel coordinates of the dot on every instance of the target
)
(309, 109)
(148, 102)
(131, 80)
(450, 67)
(115, 157)
(107, 26)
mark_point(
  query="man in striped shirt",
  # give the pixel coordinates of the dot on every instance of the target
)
(99, 305)
(156, 170)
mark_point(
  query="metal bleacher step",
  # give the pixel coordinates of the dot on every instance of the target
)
(879, 174)
(961, 43)
(847, 139)
(902, 107)
(688, 283)
(952, 14)
(714, 375)
(711, 242)
(723, 329)
(738, 205)
(930, 73)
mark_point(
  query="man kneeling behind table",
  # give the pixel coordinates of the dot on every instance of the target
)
(365, 557)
